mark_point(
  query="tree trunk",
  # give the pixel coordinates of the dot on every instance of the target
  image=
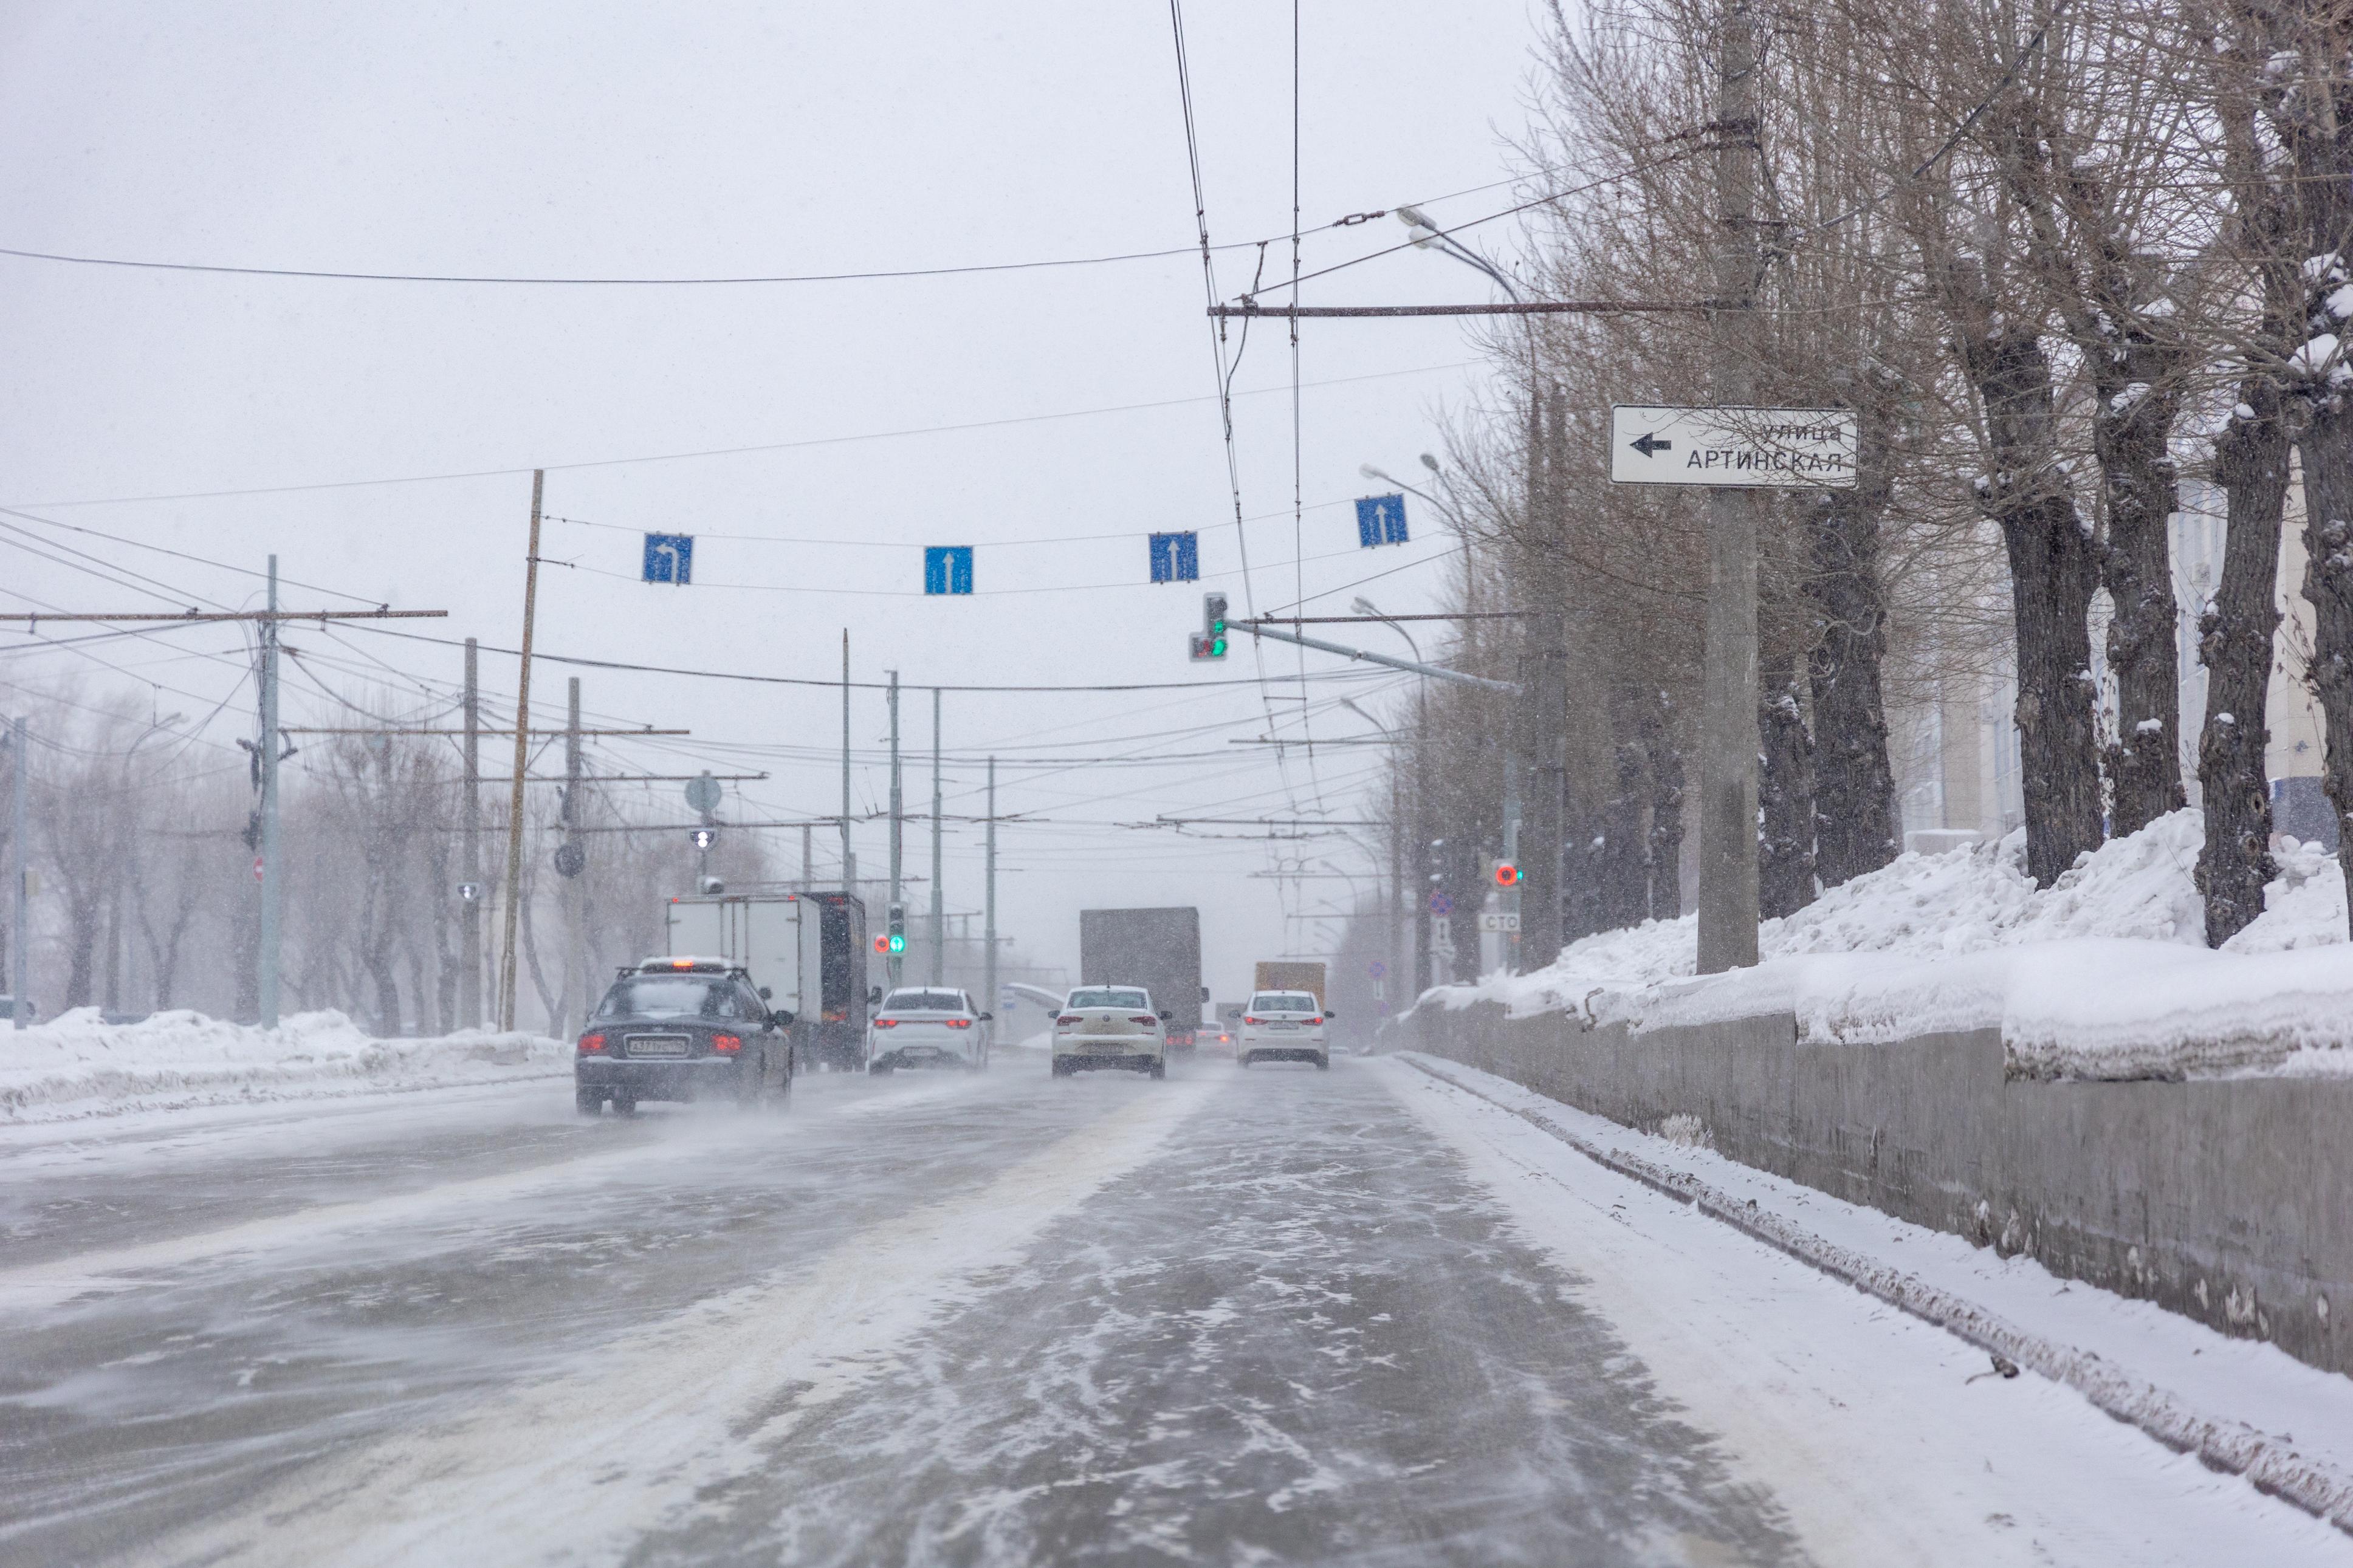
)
(1666, 847)
(2235, 643)
(2327, 449)
(1785, 788)
(2052, 578)
(1855, 825)
(2129, 434)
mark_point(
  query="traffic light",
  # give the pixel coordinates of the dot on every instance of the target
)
(1506, 874)
(1209, 642)
(881, 944)
(897, 941)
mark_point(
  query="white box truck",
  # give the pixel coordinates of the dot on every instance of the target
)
(767, 933)
(807, 952)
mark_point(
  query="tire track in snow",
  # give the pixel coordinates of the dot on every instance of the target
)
(573, 1470)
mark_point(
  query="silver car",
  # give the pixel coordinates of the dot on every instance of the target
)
(1284, 1027)
(1111, 1026)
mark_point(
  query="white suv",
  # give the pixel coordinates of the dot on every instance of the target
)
(927, 1026)
(1111, 1026)
(1284, 1027)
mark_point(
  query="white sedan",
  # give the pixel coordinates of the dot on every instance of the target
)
(1284, 1027)
(1111, 1026)
(927, 1026)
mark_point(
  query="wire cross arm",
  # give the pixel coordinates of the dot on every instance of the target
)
(1513, 308)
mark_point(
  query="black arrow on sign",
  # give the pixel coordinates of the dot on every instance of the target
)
(1649, 445)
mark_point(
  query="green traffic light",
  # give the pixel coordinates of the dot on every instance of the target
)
(898, 943)
(1218, 647)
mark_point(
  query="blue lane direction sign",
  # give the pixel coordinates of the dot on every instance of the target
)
(1380, 520)
(670, 558)
(1177, 557)
(947, 569)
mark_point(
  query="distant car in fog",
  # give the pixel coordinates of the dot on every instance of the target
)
(929, 1027)
(1284, 1027)
(1109, 1027)
(682, 1028)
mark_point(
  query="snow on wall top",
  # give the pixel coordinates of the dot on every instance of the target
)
(2106, 974)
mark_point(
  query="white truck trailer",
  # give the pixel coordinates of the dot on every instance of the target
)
(805, 952)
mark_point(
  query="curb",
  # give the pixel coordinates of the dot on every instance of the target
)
(2270, 1462)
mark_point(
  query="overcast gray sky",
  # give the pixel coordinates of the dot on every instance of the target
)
(599, 140)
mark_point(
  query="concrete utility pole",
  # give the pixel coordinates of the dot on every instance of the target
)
(989, 919)
(809, 839)
(1728, 741)
(20, 881)
(939, 915)
(897, 821)
(576, 968)
(273, 873)
(470, 910)
(522, 762)
(1547, 778)
(849, 859)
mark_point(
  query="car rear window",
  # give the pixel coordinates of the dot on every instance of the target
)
(671, 996)
(923, 1001)
(1108, 996)
(1284, 1001)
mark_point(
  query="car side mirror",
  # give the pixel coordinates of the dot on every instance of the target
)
(782, 1018)
(766, 994)
(1165, 1015)
(874, 996)
(1329, 1014)
(986, 1017)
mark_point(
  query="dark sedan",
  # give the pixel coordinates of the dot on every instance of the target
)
(682, 1028)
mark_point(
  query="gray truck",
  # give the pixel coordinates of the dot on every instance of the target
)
(1159, 950)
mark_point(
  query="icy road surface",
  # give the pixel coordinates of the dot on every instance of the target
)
(1358, 1317)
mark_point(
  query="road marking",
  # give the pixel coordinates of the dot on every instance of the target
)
(574, 1469)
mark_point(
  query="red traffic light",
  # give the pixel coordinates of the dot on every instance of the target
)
(881, 944)
(1506, 874)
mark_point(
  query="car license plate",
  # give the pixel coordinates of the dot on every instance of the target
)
(658, 1044)
(1283, 1025)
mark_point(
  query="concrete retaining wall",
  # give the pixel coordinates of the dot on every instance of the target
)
(2229, 1200)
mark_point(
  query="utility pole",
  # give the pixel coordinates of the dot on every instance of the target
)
(808, 832)
(273, 874)
(522, 763)
(849, 860)
(1548, 776)
(1400, 933)
(898, 820)
(989, 919)
(575, 969)
(939, 918)
(469, 908)
(20, 883)
(1728, 741)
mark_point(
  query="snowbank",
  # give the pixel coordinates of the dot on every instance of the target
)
(2105, 974)
(74, 1066)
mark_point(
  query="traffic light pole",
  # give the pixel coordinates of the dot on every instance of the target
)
(1437, 672)
(939, 910)
(898, 822)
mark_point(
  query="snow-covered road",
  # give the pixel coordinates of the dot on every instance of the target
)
(1360, 1317)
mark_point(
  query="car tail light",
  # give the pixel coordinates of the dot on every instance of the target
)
(1142, 1019)
(1316, 1021)
(957, 1023)
(886, 1022)
(1066, 1020)
(726, 1042)
(591, 1044)
(1250, 1020)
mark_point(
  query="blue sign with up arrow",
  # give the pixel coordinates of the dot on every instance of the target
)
(947, 569)
(670, 558)
(1380, 520)
(1176, 557)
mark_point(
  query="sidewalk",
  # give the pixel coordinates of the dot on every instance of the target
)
(2241, 1405)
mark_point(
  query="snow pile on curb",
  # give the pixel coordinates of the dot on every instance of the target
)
(2314, 1476)
(2104, 974)
(74, 1066)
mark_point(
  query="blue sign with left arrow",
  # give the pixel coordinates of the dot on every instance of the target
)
(670, 558)
(947, 569)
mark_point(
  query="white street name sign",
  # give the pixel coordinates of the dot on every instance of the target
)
(1743, 449)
